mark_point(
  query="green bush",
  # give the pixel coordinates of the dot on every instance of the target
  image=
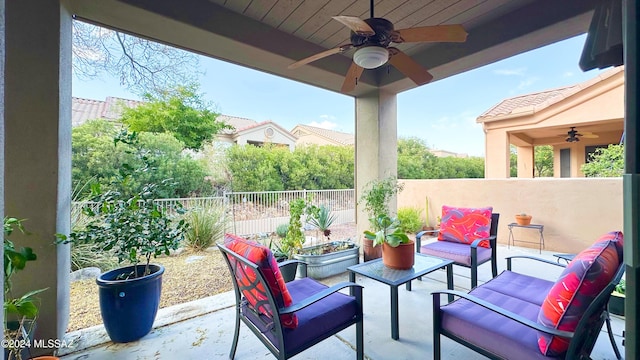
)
(282, 230)
(410, 220)
(85, 255)
(206, 225)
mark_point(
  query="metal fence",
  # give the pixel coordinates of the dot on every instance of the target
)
(255, 213)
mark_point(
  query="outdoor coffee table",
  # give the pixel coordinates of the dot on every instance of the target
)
(376, 270)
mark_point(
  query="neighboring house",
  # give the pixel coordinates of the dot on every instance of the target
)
(307, 134)
(594, 108)
(445, 153)
(245, 131)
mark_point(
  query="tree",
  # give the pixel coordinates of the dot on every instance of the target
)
(180, 111)
(543, 161)
(605, 162)
(95, 159)
(415, 161)
(273, 168)
(141, 65)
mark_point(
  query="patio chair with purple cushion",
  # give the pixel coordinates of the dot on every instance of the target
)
(517, 316)
(287, 318)
(467, 236)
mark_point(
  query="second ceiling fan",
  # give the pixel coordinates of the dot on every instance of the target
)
(372, 38)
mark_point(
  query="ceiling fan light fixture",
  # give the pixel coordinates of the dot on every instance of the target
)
(371, 57)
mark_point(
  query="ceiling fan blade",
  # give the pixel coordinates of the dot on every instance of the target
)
(438, 33)
(351, 79)
(318, 56)
(358, 25)
(409, 67)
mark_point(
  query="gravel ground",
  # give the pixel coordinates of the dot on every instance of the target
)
(188, 276)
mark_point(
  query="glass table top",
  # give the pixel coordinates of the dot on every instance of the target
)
(375, 269)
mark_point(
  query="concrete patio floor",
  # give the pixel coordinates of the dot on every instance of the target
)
(203, 329)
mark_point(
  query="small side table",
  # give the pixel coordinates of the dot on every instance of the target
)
(512, 239)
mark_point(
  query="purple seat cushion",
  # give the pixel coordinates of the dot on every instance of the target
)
(458, 252)
(314, 321)
(492, 331)
(523, 287)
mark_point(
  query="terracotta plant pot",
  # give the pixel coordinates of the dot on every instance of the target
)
(369, 251)
(523, 219)
(401, 257)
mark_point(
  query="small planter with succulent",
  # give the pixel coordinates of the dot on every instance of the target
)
(523, 219)
(135, 229)
(398, 251)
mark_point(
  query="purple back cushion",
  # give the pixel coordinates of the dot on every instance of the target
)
(581, 281)
(465, 225)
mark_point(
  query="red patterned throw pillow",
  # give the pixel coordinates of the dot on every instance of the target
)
(465, 225)
(579, 284)
(251, 289)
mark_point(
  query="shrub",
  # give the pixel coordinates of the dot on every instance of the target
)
(281, 230)
(206, 225)
(410, 219)
(84, 255)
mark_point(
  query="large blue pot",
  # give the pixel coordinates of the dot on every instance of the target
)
(129, 307)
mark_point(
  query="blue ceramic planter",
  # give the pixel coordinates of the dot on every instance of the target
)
(129, 307)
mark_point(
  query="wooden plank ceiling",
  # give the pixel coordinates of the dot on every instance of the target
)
(268, 35)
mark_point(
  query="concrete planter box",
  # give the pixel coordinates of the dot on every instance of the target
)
(322, 264)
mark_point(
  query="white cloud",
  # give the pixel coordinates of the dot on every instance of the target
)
(327, 117)
(325, 124)
(568, 74)
(511, 72)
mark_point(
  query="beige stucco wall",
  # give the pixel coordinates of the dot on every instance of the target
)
(574, 211)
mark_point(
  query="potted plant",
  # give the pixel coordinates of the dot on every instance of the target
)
(523, 219)
(616, 301)
(376, 203)
(398, 251)
(20, 312)
(322, 219)
(135, 228)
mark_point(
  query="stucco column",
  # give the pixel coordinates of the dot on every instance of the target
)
(525, 161)
(496, 163)
(376, 145)
(631, 178)
(37, 163)
(2, 52)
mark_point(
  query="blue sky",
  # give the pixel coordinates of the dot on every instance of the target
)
(442, 113)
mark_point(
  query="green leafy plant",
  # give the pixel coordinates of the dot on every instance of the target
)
(390, 232)
(132, 226)
(294, 239)
(621, 287)
(19, 312)
(376, 198)
(206, 225)
(410, 219)
(323, 219)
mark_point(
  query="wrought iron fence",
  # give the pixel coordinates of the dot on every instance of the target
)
(256, 213)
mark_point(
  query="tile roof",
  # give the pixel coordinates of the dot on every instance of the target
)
(85, 109)
(335, 136)
(543, 99)
(238, 123)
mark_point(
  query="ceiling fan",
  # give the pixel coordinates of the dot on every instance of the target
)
(372, 38)
(573, 135)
